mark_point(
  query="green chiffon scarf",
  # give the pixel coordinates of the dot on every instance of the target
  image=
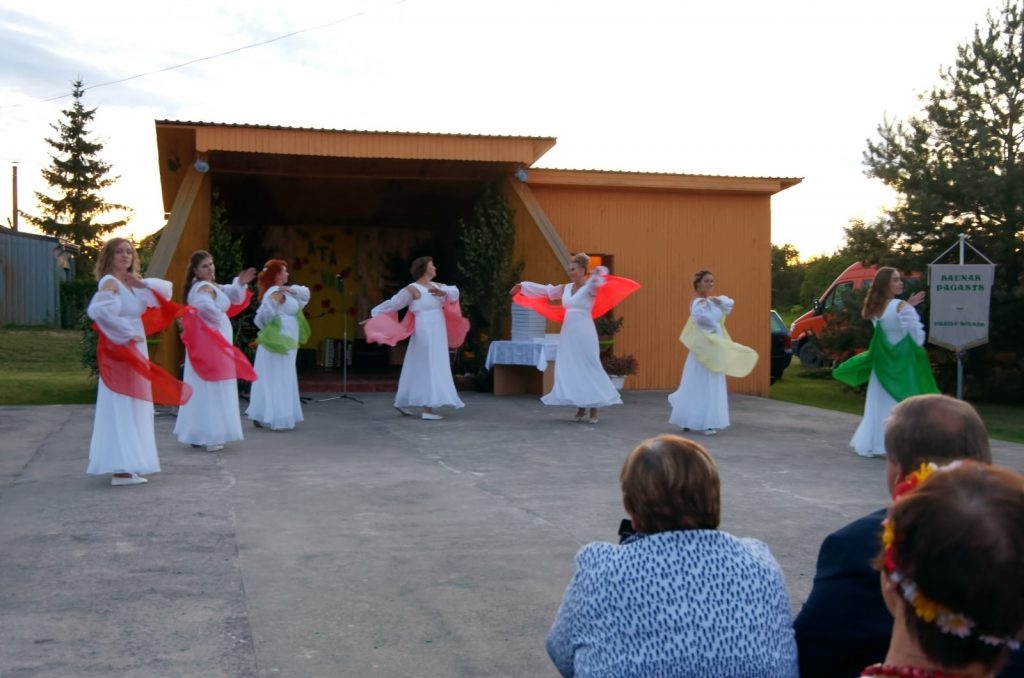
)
(272, 339)
(902, 368)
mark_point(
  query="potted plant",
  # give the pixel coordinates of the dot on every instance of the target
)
(619, 367)
(607, 327)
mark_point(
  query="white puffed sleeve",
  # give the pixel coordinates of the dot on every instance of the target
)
(396, 303)
(300, 293)
(451, 292)
(105, 309)
(910, 320)
(531, 289)
(725, 303)
(154, 286)
(204, 303)
(268, 308)
(235, 291)
(702, 314)
(597, 279)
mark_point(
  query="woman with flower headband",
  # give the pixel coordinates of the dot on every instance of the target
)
(701, 402)
(125, 309)
(212, 363)
(952, 565)
(274, 398)
(895, 366)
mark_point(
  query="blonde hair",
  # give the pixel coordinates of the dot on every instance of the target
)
(582, 260)
(106, 258)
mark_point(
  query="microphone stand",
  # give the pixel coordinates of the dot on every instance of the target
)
(344, 358)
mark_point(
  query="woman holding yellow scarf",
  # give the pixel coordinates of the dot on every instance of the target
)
(701, 402)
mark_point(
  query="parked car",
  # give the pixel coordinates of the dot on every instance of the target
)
(806, 329)
(782, 346)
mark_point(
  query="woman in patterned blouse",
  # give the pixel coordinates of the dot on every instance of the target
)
(680, 597)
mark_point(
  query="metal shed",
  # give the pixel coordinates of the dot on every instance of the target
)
(32, 267)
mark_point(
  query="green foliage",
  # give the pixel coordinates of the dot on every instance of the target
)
(487, 268)
(819, 274)
(620, 365)
(608, 325)
(225, 247)
(87, 345)
(959, 169)
(787, 275)
(845, 331)
(74, 297)
(78, 176)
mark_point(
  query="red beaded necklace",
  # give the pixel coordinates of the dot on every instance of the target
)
(909, 672)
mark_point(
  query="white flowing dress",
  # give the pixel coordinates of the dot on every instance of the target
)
(702, 399)
(211, 416)
(869, 438)
(426, 379)
(274, 398)
(122, 434)
(580, 379)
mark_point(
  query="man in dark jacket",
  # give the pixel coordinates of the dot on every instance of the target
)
(844, 625)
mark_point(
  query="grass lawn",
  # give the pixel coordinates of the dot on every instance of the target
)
(817, 388)
(41, 366)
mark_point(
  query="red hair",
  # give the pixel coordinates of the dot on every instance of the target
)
(267, 277)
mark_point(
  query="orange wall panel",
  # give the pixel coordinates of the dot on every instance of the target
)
(660, 239)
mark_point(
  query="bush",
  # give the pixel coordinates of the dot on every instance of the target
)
(620, 364)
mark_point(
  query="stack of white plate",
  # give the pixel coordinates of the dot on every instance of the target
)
(527, 324)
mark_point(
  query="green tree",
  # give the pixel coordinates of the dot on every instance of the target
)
(959, 169)
(487, 268)
(787, 276)
(78, 176)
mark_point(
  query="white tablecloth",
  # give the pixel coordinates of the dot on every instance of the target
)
(537, 353)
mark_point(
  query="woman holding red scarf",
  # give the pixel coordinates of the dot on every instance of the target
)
(123, 441)
(580, 380)
(212, 363)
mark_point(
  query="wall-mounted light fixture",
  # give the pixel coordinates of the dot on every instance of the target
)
(200, 165)
(521, 174)
(173, 162)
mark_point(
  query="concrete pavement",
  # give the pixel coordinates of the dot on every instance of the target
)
(365, 543)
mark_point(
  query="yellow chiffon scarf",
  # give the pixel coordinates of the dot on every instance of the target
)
(718, 353)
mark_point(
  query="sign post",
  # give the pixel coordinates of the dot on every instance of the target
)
(959, 296)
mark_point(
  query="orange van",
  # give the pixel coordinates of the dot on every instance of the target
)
(805, 329)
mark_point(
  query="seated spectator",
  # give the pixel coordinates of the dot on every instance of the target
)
(679, 597)
(844, 624)
(952, 561)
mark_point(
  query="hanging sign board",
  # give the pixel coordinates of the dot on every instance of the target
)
(959, 296)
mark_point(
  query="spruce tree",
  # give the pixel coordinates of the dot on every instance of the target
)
(959, 168)
(77, 176)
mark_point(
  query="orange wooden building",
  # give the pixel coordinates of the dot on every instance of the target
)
(331, 200)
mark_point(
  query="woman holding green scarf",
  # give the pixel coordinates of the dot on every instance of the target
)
(895, 366)
(274, 399)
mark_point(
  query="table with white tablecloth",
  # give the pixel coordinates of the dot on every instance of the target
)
(523, 366)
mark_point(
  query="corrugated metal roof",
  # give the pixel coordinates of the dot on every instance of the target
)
(193, 123)
(664, 174)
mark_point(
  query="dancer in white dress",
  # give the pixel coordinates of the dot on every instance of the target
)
(426, 379)
(897, 320)
(701, 402)
(580, 379)
(274, 398)
(123, 441)
(211, 417)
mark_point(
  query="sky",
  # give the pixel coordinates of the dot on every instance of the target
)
(735, 88)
